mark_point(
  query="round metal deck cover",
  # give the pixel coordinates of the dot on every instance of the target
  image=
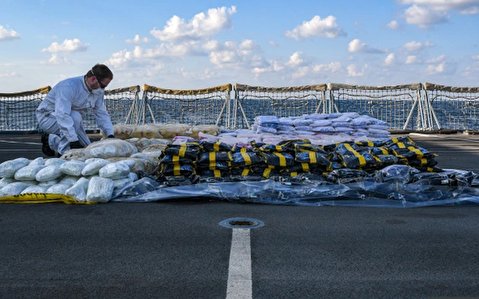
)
(241, 222)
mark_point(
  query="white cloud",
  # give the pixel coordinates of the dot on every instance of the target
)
(425, 13)
(295, 60)
(200, 26)
(6, 34)
(326, 27)
(57, 59)
(357, 46)
(393, 25)
(354, 71)
(332, 67)
(411, 59)
(68, 45)
(424, 17)
(437, 65)
(137, 39)
(389, 59)
(413, 46)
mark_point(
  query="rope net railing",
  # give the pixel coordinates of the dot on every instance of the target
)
(400, 105)
(251, 101)
(17, 110)
(411, 107)
(456, 108)
(121, 104)
(193, 107)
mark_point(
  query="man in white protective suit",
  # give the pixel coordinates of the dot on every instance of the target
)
(60, 114)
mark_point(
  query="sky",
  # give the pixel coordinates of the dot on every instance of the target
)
(191, 44)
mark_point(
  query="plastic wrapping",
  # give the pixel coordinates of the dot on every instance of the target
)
(99, 189)
(79, 189)
(315, 193)
(8, 168)
(49, 173)
(73, 168)
(28, 173)
(115, 170)
(93, 166)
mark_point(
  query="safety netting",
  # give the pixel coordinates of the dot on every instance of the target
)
(17, 110)
(194, 106)
(253, 101)
(122, 105)
(455, 108)
(401, 106)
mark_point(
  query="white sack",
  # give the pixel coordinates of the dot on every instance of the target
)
(34, 189)
(73, 167)
(93, 166)
(14, 188)
(79, 189)
(8, 168)
(99, 189)
(49, 173)
(29, 172)
(58, 189)
(115, 170)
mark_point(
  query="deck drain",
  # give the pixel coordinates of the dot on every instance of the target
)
(241, 222)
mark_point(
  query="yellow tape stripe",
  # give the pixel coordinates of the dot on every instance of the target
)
(415, 150)
(36, 198)
(212, 157)
(245, 172)
(282, 159)
(294, 174)
(246, 157)
(401, 145)
(312, 158)
(176, 169)
(278, 148)
(305, 167)
(267, 172)
(182, 150)
(175, 159)
(361, 159)
(217, 173)
(216, 147)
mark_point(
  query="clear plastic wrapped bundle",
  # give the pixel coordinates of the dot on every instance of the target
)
(34, 189)
(58, 189)
(79, 189)
(93, 166)
(73, 167)
(115, 170)
(14, 188)
(48, 173)
(108, 148)
(8, 168)
(99, 189)
(28, 172)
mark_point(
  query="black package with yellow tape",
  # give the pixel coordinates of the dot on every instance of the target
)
(386, 160)
(218, 165)
(283, 159)
(314, 158)
(212, 157)
(177, 170)
(217, 146)
(245, 158)
(290, 144)
(217, 173)
(271, 148)
(185, 150)
(351, 158)
(305, 147)
(175, 159)
(410, 151)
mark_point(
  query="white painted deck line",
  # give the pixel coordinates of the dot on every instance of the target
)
(240, 284)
